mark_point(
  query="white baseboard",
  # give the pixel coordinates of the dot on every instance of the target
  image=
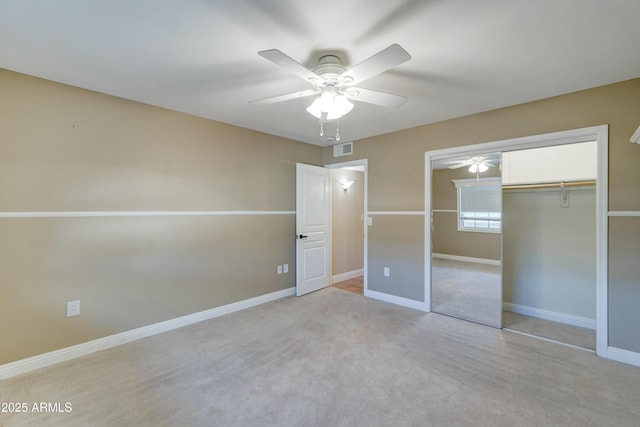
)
(467, 259)
(405, 302)
(569, 319)
(47, 359)
(620, 355)
(348, 275)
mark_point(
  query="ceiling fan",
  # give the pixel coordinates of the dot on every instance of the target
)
(476, 164)
(335, 85)
(473, 162)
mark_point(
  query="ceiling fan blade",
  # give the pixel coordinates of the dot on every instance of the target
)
(289, 64)
(461, 163)
(468, 162)
(378, 63)
(287, 97)
(375, 97)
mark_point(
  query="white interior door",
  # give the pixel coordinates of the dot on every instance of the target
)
(312, 228)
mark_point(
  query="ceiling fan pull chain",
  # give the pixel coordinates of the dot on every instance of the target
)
(337, 129)
(321, 127)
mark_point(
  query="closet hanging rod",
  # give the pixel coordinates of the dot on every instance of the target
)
(549, 185)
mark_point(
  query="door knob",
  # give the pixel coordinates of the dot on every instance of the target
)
(302, 236)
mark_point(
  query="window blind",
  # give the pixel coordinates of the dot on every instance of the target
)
(479, 204)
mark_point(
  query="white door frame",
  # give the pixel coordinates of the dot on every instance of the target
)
(594, 133)
(364, 163)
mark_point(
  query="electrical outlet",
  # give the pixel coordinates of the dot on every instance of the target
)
(73, 308)
(279, 269)
(386, 272)
(286, 268)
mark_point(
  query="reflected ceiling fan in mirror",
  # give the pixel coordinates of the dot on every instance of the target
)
(335, 86)
(476, 164)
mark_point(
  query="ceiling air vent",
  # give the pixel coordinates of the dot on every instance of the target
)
(345, 149)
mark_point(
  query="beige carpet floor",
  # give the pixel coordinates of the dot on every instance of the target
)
(332, 358)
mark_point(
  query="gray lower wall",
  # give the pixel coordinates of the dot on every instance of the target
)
(397, 242)
(549, 258)
(624, 271)
(129, 272)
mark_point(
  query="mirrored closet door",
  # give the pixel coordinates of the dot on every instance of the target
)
(466, 214)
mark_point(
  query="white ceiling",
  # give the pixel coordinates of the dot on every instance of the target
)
(200, 56)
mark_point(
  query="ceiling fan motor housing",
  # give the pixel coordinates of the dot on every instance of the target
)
(329, 69)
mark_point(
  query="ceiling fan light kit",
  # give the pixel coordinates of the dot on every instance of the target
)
(334, 104)
(478, 167)
(333, 82)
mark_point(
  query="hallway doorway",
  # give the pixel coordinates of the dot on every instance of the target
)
(348, 226)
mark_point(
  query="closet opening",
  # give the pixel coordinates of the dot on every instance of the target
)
(549, 243)
(553, 245)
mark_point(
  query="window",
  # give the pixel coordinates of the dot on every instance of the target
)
(479, 204)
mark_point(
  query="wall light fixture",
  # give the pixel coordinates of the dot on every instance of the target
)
(346, 184)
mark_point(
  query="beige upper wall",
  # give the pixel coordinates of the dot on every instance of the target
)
(396, 160)
(65, 148)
